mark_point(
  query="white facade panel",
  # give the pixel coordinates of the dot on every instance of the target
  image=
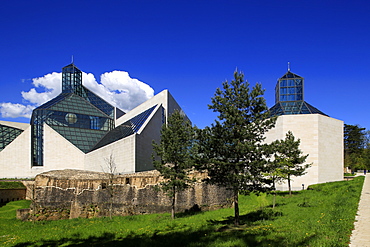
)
(321, 138)
(122, 153)
(60, 153)
(15, 158)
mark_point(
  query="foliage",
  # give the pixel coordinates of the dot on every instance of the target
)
(356, 147)
(11, 185)
(354, 139)
(289, 159)
(232, 149)
(176, 155)
(327, 221)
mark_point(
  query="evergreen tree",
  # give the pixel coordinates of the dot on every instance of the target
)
(356, 143)
(232, 149)
(175, 153)
(289, 159)
(354, 139)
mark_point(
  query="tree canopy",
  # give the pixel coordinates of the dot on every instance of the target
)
(175, 151)
(289, 159)
(232, 149)
(356, 147)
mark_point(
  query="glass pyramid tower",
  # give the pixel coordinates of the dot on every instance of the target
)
(289, 97)
(81, 117)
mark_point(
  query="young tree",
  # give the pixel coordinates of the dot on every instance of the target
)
(289, 159)
(232, 150)
(110, 171)
(175, 153)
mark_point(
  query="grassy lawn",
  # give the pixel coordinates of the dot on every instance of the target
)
(11, 185)
(322, 216)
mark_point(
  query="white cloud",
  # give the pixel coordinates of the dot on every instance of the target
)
(10, 110)
(116, 87)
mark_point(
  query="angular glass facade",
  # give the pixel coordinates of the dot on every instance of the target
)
(79, 115)
(289, 88)
(127, 128)
(7, 135)
(289, 97)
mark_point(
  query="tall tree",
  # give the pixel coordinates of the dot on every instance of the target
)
(232, 150)
(175, 153)
(289, 159)
(354, 138)
(355, 141)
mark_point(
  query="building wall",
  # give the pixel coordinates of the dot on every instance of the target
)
(150, 132)
(331, 150)
(59, 153)
(15, 158)
(322, 138)
(122, 152)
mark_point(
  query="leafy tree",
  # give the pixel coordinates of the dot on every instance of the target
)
(354, 139)
(232, 150)
(289, 159)
(355, 142)
(175, 152)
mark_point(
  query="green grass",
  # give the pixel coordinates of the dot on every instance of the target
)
(11, 185)
(317, 217)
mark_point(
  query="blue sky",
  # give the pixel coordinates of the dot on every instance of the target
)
(191, 47)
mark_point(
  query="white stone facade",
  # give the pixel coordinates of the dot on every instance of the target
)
(321, 138)
(130, 154)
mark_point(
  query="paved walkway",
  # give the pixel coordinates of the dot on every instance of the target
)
(361, 234)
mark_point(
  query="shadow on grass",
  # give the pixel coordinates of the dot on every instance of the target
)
(189, 212)
(206, 236)
(252, 217)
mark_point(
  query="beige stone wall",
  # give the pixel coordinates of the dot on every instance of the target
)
(122, 151)
(79, 191)
(15, 158)
(322, 138)
(60, 153)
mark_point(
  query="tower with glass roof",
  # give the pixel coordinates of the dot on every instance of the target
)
(321, 137)
(77, 114)
(289, 97)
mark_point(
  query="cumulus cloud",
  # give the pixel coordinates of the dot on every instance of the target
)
(10, 110)
(116, 87)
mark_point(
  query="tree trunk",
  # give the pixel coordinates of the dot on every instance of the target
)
(290, 188)
(274, 199)
(173, 203)
(236, 208)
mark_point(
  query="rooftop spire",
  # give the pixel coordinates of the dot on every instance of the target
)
(288, 66)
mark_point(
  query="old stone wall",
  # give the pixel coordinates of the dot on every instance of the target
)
(88, 194)
(8, 195)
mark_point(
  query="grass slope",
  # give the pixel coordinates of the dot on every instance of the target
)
(11, 185)
(322, 216)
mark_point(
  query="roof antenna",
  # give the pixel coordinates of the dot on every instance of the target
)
(72, 60)
(288, 66)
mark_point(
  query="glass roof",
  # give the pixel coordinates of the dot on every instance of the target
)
(127, 128)
(7, 135)
(293, 107)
